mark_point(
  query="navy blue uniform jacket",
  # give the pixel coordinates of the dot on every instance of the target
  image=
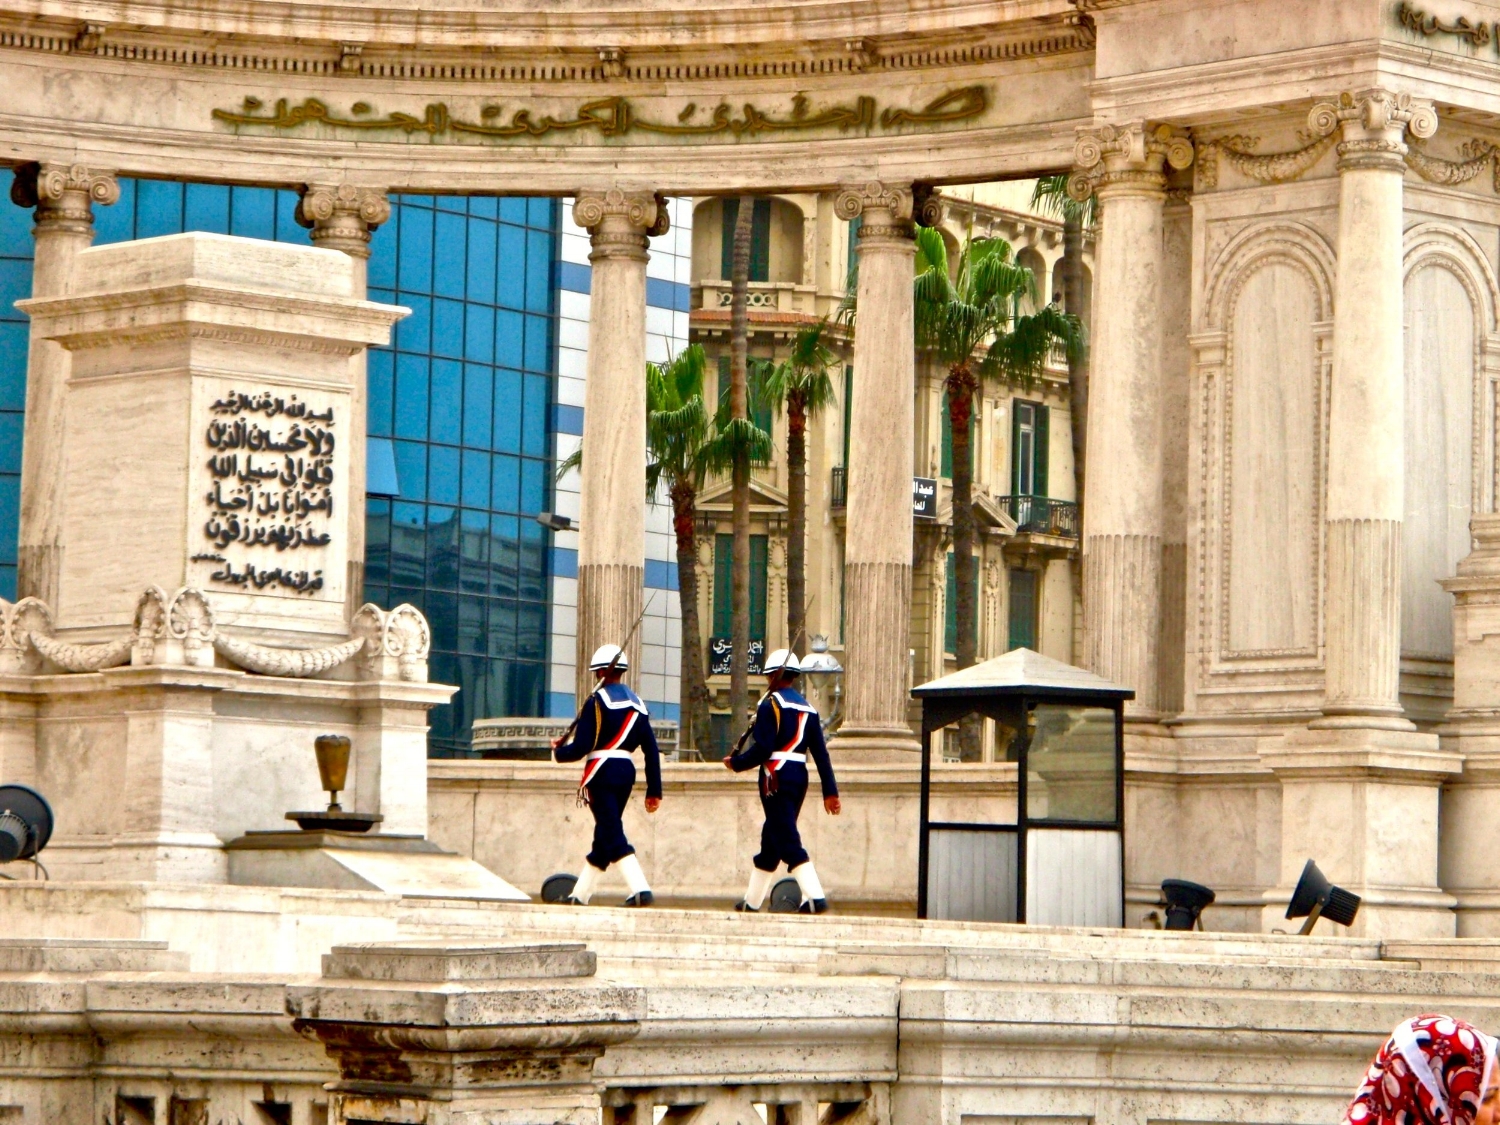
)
(786, 721)
(604, 715)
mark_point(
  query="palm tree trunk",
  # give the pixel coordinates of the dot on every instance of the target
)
(796, 517)
(1078, 371)
(739, 404)
(960, 386)
(695, 724)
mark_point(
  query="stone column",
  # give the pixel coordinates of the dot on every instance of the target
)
(612, 514)
(1125, 168)
(63, 196)
(878, 542)
(342, 217)
(1360, 786)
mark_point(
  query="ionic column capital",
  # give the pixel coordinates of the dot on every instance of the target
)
(1129, 159)
(1374, 123)
(342, 216)
(888, 210)
(63, 194)
(620, 222)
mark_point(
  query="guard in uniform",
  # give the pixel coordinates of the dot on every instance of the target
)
(613, 723)
(786, 730)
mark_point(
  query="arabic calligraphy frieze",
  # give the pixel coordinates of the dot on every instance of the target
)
(271, 468)
(613, 117)
(1476, 34)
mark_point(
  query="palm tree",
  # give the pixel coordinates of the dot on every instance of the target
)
(971, 322)
(800, 382)
(678, 433)
(1051, 197)
(739, 412)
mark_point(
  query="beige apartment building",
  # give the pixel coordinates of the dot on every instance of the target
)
(1024, 483)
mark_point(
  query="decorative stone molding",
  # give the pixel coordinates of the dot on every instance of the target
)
(342, 216)
(1474, 158)
(1265, 168)
(1123, 158)
(887, 210)
(1374, 123)
(611, 62)
(862, 53)
(63, 194)
(926, 205)
(349, 54)
(90, 39)
(180, 630)
(619, 222)
(396, 642)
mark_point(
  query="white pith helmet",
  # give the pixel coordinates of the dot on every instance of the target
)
(782, 660)
(606, 655)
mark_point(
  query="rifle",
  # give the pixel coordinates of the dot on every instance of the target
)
(801, 629)
(608, 668)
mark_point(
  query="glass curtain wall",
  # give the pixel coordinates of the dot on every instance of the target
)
(463, 396)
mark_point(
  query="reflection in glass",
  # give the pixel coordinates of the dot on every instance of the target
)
(1070, 772)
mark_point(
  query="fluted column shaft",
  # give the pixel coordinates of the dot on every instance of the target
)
(878, 540)
(1366, 458)
(1126, 169)
(343, 217)
(612, 514)
(63, 196)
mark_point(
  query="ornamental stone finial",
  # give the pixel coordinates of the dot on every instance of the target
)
(1374, 124)
(1127, 157)
(342, 216)
(619, 222)
(63, 194)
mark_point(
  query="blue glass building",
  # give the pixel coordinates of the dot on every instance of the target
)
(460, 407)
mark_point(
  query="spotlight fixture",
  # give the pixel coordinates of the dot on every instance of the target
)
(556, 888)
(554, 522)
(25, 823)
(1315, 897)
(1185, 902)
(786, 897)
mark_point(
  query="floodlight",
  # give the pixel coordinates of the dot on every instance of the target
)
(554, 522)
(557, 889)
(25, 822)
(1185, 902)
(786, 897)
(1315, 897)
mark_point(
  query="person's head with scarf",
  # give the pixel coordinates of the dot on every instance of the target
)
(1433, 1070)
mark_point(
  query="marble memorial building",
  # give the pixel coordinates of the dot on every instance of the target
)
(1290, 462)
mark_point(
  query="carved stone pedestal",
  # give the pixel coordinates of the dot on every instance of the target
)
(430, 1034)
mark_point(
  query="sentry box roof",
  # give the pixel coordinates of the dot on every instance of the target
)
(1023, 672)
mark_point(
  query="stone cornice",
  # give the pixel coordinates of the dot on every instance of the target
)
(495, 43)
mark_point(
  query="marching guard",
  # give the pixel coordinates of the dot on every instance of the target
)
(786, 730)
(612, 724)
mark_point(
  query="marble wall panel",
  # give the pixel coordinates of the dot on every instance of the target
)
(1273, 485)
(1440, 363)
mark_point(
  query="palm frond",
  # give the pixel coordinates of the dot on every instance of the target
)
(1050, 197)
(573, 461)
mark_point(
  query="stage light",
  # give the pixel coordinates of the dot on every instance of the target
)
(25, 823)
(1185, 902)
(1315, 897)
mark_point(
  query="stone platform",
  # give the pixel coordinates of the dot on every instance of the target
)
(887, 1019)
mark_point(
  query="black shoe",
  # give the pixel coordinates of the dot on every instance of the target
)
(745, 908)
(643, 898)
(813, 906)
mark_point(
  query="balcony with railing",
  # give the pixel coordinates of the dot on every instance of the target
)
(1041, 515)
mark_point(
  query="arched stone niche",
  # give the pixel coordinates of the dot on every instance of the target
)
(1450, 303)
(1262, 365)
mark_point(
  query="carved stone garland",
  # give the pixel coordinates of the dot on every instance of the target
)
(181, 630)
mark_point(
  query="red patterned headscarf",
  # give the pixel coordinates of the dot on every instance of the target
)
(1433, 1070)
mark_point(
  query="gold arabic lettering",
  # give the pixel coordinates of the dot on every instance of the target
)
(616, 116)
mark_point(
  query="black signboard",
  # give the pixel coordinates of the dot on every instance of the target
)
(924, 497)
(720, 658)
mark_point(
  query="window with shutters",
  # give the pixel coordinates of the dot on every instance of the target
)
(760, 410)
(1029, 448)
(760, 239)
(760, 551)
(950, 628)
(1022, 609)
